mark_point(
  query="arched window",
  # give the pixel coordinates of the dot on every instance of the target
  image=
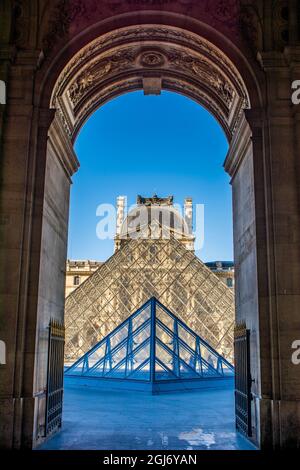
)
(76, 280)
(229, 282)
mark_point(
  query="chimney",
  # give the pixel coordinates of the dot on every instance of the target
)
(188, 213)
(121, 206)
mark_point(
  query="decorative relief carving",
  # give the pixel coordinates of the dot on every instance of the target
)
(202, 69)
(85, 81)
(152, 59)
(225, 11)
(281, 23)
(59, 24)
(173, 59)
(67, 12)
(81, 13)
(88, 78)
(251, 24)
(95, 74)
(64, 121)
(144, 34)
(104, 95)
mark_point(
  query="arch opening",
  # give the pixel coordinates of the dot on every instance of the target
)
(153, 58)
(239, 63)
(94, 327)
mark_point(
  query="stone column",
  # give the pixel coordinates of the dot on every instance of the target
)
(239, 164)
(61, 163)
(188, 214)
(16, 198)
(278, 254)
(26, 196)
(121, 207)
(264, 164)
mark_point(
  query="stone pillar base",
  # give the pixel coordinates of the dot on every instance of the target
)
(7, 408)
(17, 418)
(279, 424)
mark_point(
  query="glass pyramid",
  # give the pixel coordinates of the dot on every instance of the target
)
(142, 269)
(154, 346)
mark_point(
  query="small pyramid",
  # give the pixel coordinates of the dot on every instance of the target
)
(152, 345)
(142, 269)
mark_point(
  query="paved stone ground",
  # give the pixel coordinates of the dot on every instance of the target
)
(111, 420)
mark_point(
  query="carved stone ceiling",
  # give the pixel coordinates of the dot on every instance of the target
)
(117, 62)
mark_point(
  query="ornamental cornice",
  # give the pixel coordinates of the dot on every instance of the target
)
(118, 62)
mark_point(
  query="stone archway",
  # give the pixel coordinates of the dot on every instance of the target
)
(151, 57)
(86, 55)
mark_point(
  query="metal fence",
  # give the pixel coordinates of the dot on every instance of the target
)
(242, 380)
(55, 376)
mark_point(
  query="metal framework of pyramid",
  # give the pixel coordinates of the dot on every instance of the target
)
(152, 346)
(142, 269)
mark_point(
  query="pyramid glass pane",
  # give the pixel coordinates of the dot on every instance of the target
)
(141, 318)
(141, 335)
(97, 355)
(119, 336)
(187, 372)
(141, 356)
(139, 270)
(166, 319)
(144, 348)
(142, 373)
(162, 372)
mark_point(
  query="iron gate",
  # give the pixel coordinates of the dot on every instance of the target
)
(242, 380)
(55, 377)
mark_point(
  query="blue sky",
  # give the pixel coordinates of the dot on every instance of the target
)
(139, 144)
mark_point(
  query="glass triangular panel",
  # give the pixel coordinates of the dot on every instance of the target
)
(187, 372)
(141, 318)
(162, 372)
(141, 335)
(152, 345)
(97, 355)
(165, 318)
(142, 373)
(141, 356)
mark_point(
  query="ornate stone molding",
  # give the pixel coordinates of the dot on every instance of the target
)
(61, 146)
(155, 33)
(120, 60)
(239, 147)
(100, 70)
